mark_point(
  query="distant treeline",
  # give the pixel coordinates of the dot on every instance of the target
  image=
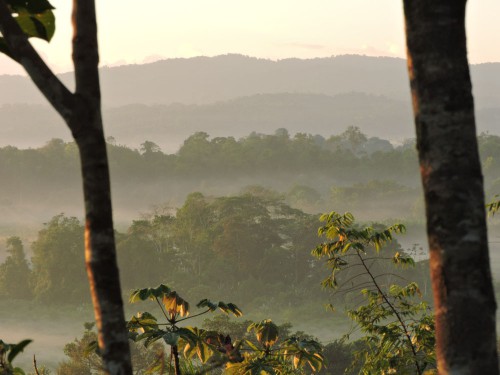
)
(251, 248)
(201, 156)
(348, 170)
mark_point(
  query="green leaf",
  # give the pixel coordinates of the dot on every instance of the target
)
(196, 342)
(161, 290)
(38, 25)
(17, 348)
(33, 6)
(207, 303)
(252, 345)
(188, 334)
(150, 293)
(144, 321)
(203, 351)
(234, 309)
(140, 295)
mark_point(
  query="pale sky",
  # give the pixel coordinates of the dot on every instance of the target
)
(138, 31)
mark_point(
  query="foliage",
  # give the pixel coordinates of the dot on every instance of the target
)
(214, 349)
(194, 341)
(15, 273)
(84, 358)
(48, 175)
(81, 360)
(152, 236)
(253, 247)
(219, 161)
(493, 207)
(290, 356)
(58, 262)
(399, 331)
(340, 357)
(35, 18)
(224, 164)
(227, 245)
(8, 352)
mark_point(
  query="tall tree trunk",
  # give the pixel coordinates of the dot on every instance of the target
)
(453, 186)
(100, 250)
(82, 113)
(100, 255)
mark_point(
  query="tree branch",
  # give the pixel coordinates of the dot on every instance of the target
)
(23, 52)
(396, 313)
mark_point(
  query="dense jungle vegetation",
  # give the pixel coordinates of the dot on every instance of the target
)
(251, 248)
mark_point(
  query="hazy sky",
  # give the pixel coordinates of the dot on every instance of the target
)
(133, 31)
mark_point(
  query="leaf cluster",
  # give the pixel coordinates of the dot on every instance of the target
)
(346, 239)
(270, 356)
(8, 352)
(34, 17)
(399, 331)
(212, 348)
(195, 342)
(493, 207)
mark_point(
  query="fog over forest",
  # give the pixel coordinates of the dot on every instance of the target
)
(209, 155)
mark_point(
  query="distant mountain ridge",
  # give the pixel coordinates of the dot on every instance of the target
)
(204, 80)
(232, 95)
(169, 125)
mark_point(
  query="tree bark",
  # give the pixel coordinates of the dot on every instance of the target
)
(443, 106)
(82, 113)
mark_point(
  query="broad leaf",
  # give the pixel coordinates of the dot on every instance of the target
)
(225, 307)
(39, 25)
(17, 348)
(34, 17)
(174, 304)
(143, 321)
(266, 332)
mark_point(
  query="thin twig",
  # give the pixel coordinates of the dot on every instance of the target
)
(34, 365)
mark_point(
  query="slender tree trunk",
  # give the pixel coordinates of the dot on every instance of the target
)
(82, 113)
(100, 250)
(175, 354)
(100, 255)
(453, 186)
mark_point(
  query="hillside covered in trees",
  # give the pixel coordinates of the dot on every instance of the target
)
(348, 171)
